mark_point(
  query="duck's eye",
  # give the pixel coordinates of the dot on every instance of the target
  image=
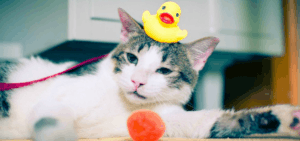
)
(163, 8)
(177, 15)
(164, 71)
(132, 58)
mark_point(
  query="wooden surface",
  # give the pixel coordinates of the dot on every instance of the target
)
(175, 139)
(291, 43)
(285, 69)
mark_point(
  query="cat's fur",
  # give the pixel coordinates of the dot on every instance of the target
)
(96, 100)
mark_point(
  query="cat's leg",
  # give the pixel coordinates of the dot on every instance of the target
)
(190, 124)
(112, 126)
(282, 119)
(51, 120)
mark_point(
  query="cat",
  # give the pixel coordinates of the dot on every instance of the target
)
(95, 100)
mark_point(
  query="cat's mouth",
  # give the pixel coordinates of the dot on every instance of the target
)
(138, 95)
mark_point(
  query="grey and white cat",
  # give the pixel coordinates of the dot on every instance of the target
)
(139, 73)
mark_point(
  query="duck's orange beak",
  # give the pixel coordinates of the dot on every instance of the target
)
(166, 18)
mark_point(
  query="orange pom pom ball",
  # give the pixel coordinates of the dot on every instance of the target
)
(145, 125)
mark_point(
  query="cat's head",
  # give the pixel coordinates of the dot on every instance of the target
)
(148, 71)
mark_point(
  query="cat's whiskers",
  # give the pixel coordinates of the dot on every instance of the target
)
(124, 83)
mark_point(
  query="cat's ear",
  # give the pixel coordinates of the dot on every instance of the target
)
(200, 50)
(129, 26)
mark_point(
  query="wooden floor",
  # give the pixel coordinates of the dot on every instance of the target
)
(177, 139)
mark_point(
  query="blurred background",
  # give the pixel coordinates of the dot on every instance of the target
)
(255, 63)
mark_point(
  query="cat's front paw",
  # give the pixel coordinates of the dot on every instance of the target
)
(295, 125)
(246, 122)
(289, 117)
(279, 119)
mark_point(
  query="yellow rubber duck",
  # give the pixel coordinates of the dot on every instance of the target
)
(162, 27)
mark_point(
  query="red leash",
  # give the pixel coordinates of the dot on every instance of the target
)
(9, 86)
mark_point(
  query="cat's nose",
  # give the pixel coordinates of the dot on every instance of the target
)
(137, 84)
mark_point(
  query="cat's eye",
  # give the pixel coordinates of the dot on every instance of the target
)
(164, 71)
(177, 14)
(132, 58)
(163, 8)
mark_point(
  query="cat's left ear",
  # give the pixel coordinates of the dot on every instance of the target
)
(200, 50)
(129, 26)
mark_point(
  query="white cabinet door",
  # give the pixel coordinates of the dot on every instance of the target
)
(251, 26)
(243, 26)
